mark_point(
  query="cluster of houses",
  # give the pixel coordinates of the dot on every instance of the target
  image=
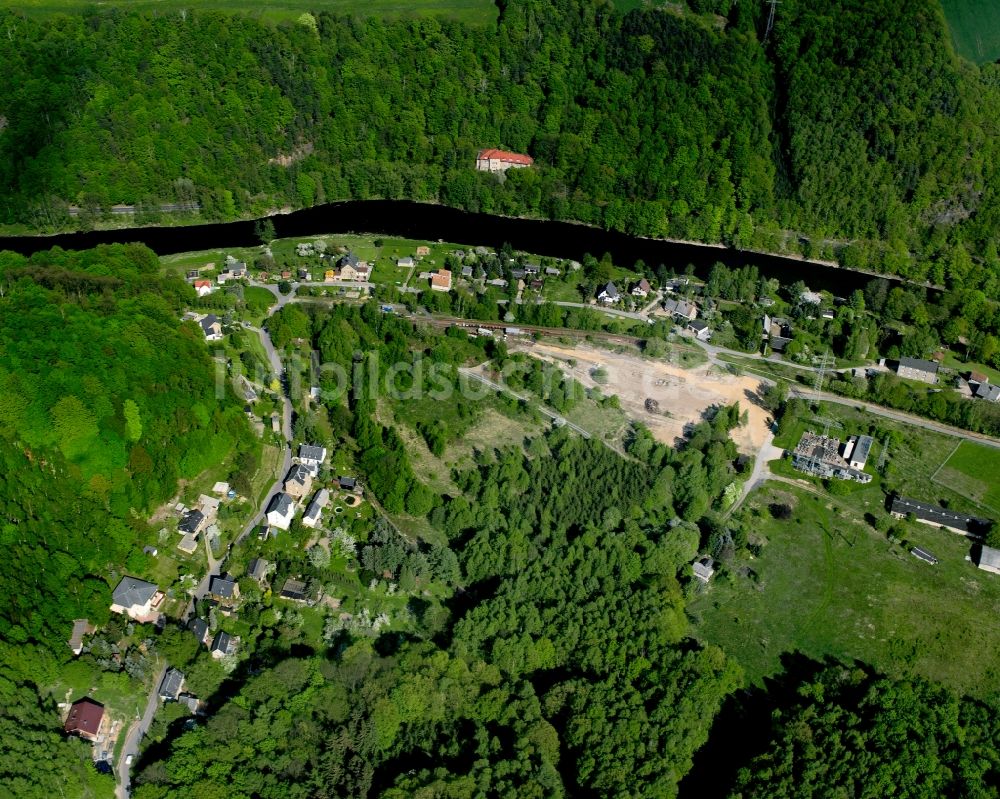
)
(925, 371)
(298, 485)
(201, 518)
(823, 456)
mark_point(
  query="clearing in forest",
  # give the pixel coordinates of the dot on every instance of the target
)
(683, 395)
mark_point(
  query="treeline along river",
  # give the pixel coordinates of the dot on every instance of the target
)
(433, 222)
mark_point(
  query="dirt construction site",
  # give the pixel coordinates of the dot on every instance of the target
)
(680, 396)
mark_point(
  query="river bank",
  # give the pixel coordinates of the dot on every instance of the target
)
(408, 219)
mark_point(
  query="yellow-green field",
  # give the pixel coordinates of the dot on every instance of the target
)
(476, 12)
(974, 472)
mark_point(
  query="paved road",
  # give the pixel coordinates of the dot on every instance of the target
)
(216, 567)
(134, 736)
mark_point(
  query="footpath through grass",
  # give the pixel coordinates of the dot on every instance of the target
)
(826, 583)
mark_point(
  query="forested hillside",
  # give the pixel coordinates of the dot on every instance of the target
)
(854, 125)
(105, 401)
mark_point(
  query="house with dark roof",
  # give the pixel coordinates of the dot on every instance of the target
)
(137, 599)
(681, 310)
(608, 293)
(294, 590)
(936, 516)
(171, 685)
(917, 369)
(701, 330)
(224, 588)
(312, 456)
(349, 484)
(211, 327)
(85, 719)
(192, 522)
(298, 481)
(200, 629)
(224, 644)
(257, 569)
(281, 511)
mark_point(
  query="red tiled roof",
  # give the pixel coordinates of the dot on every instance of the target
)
(503, 155)
(85, 717)
(441, 278)
(200, 283)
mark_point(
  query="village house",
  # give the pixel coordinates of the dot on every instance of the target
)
(295, 590)
(224, 588)
(441, 280)
(493, 160)
(936, 516)
(551, 271)
(642, 288)
(312, 456)
(85, 719)
(136, 599)
(298, 482)
(171, 685)
(406, 262)
(532, 269)
(467, 271)
(188, 544)
(701, 330)
(223, 645)
(211, 327)
(203, 287)
(81, 627)
(258, 570)
(703, 569)
(281, 511)
(200, 629)
(315, 509)
(681, 310)
(917, 369)
(985, 391)
(192, 522)
(350, 267)
(608, 294)
(349, 484)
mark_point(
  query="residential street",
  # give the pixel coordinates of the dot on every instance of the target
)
(134, 736)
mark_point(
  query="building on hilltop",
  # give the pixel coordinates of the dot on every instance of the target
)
(494, 160)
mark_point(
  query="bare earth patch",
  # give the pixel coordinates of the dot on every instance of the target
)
(683, 394)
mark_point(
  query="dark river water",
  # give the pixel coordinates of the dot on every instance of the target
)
(432, 222)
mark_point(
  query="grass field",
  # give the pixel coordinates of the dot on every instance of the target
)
(475, 12)
(975, 28)
(827, 584)
(974, 472)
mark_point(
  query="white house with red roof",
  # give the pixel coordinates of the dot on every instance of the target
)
(493, 160)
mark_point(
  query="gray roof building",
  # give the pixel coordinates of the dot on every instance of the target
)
(171, 684)
(988, 559)
(257, 569)
(223, 587)
(223, 644)
(199, 627)
(191, 522)
(294, 590)
(964, 523)
(281, 503)
(987, 392)
(311, 452)
(132, 591)
(917, 369)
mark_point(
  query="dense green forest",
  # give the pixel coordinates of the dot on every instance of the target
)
(854, 124)
(106, 401)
